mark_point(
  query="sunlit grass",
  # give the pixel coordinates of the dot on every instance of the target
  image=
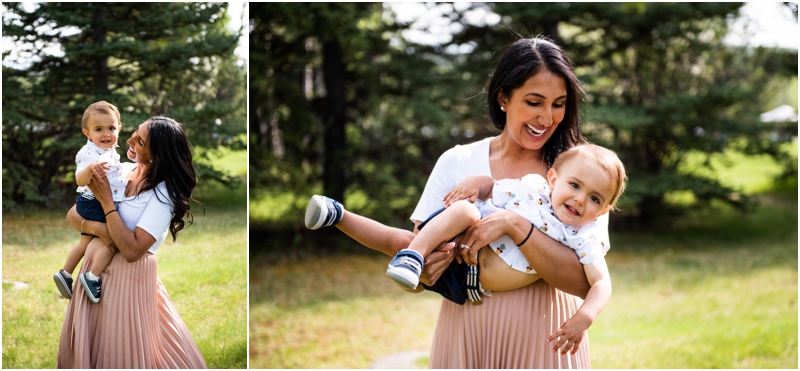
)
(747, 173)
(336, 312)
(204, 273)
(267, 206)
(714, 292)
(233, 163)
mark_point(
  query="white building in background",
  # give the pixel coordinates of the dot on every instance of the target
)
(784, 113)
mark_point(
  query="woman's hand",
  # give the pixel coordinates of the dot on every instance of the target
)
(481, 233)
(102, 190)
(437, 262)
(89, 226)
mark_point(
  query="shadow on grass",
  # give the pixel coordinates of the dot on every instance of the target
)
(716, 240)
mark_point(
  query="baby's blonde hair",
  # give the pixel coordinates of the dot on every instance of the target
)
(605, 158)
(100, 108)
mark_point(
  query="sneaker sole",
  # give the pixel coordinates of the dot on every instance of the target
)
(62, 285)
(403, 277)
(86, 289)
(314, 212)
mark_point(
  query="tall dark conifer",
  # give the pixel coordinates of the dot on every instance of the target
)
(146, 58)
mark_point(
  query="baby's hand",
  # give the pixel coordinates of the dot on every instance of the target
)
(100, 166)
(469, 188)
(570, 334)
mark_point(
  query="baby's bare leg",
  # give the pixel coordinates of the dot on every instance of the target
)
(76, 254)
(102, 257)
(452, 221)
(372, 234)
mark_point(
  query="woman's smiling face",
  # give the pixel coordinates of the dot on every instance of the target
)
(535, 109)
(139, 150)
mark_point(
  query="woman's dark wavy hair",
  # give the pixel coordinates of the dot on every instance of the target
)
(523, 59)
(171, 154)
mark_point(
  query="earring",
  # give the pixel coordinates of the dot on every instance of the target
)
(502, 108)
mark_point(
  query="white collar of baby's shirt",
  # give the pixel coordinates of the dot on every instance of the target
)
(96, 147)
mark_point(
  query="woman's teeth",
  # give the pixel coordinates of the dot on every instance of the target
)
(535, 132)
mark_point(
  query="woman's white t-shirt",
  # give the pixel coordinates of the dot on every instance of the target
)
(455, 165)
(150, 210)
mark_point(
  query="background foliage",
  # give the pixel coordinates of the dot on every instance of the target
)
(172, 59)
(661, 88)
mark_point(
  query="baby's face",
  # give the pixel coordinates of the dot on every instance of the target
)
(102, 130)
(581, 192)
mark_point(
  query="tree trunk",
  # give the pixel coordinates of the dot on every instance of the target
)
(333, 118)
(551, 31)
(99, 33)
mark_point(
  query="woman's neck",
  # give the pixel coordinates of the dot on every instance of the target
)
(141, 170)
(135, 179)
(516, 160)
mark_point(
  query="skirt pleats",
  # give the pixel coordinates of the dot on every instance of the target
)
(509, 330)
(135, 325)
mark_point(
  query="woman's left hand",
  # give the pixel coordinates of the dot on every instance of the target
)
(481, 233)
(101, 189)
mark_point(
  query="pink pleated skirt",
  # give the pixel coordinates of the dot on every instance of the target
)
(134, 325)
(509, 330)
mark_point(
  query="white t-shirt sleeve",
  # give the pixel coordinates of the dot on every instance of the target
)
(84, 158)
(442, 179)
(157, 214)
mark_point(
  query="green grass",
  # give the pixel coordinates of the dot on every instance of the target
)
(334, 312)
(204, 273)
(233, 162)
(719, 290)
(748, 173)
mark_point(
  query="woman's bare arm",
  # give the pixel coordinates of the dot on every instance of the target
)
(556, 263)
(132, 244)
(89, 226)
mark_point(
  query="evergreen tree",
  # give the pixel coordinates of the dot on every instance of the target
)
(171, 59)
(335, 89)
(661, 87)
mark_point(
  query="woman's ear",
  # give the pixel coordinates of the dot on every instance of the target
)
(501, 99)
(551, 178)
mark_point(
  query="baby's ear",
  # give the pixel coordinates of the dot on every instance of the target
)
(551, 178)
(607, 209)
(86, 133)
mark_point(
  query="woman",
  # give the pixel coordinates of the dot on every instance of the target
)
(533, 98)
(135, 324)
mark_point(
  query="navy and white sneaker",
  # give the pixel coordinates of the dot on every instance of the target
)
(405, 269)
(323, 212)
(91, 287)
(63, 283)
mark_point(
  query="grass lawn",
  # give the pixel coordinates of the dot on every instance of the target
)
(205, 273)
(722, 294)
